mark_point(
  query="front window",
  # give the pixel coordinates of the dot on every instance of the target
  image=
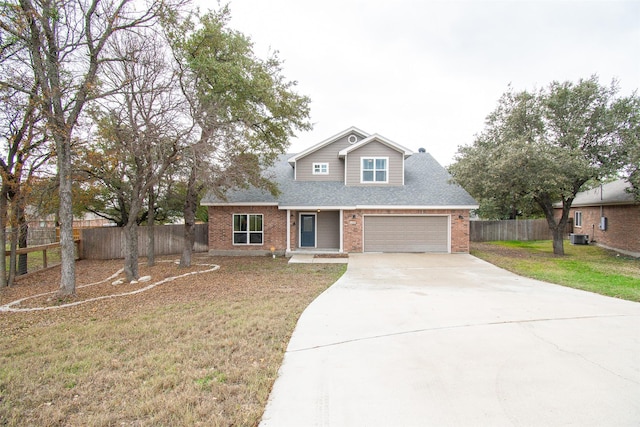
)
(374, 169)
(247, 229)
(577, 220)
(321, 168)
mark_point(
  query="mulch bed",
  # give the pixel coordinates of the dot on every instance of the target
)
(42, 286)
(93, 279)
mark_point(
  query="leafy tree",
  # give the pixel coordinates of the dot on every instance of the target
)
(243, 107)
(544, 146)
(630, 132)
(104, 189)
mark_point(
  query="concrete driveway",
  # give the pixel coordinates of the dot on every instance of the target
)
(449, 340)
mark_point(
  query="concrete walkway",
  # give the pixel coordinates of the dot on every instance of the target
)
(449, 340)
(314, 259)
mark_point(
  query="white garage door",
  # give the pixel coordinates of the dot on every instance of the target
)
(406, 233)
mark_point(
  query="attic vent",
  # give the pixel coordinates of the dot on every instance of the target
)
(421, 150)
(352, 139)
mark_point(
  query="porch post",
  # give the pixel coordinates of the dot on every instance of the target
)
(341, 231)
(288, 231)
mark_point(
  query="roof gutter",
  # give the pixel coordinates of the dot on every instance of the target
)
(372, 207)
(239, 203)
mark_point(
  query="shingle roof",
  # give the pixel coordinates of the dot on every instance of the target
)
(426, 186)
(613, 193)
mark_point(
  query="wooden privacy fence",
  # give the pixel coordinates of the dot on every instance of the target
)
(109, 242)
(42, 235)
(526, 229)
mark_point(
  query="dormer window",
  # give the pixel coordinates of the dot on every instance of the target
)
(375, 170)
(321, 168)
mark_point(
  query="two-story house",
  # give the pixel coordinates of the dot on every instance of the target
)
(353, 192)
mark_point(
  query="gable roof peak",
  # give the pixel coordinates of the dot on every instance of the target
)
(330, 140)
(376, 137)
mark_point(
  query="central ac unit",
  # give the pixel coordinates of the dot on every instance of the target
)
(579, 239)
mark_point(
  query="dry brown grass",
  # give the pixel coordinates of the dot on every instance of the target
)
(200, 350)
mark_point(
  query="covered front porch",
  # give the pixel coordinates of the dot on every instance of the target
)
(314, 231)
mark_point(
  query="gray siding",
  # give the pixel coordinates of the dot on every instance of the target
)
(328, 230)
(327, 154)
(375, 149)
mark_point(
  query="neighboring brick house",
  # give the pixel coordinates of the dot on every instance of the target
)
(353, 192)
(620, 228)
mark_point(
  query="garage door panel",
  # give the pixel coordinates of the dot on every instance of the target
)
(406, 234)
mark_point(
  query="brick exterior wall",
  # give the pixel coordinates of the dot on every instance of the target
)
(623, 226)
(221, 230)
(275, 228)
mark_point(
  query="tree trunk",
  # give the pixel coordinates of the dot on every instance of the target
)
(558, 231)
(67, 247)
(131, 251)
(12, 257)
(23, 230)
(3, 236)
(558, 241)
(189, 239)
(151, 237)
(556, 227)
(190, 206)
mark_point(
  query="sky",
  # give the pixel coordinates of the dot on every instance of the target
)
(426, 73)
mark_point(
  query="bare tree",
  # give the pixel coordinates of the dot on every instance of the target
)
(140, 128)
(23, 150)
(66, 42)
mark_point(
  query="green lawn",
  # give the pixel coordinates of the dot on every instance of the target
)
(35, 261)
(587, 267)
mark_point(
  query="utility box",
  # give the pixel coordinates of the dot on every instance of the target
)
(579, 239)
(603, 223)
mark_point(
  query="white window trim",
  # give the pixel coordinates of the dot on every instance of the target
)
(386, 159)
(320, 165)
(248, 232)
(577, 223)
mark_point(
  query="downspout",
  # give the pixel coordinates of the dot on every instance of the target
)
(288, 231)
(593, 234)
(341, 250)
(346, 158)
(600, 222)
